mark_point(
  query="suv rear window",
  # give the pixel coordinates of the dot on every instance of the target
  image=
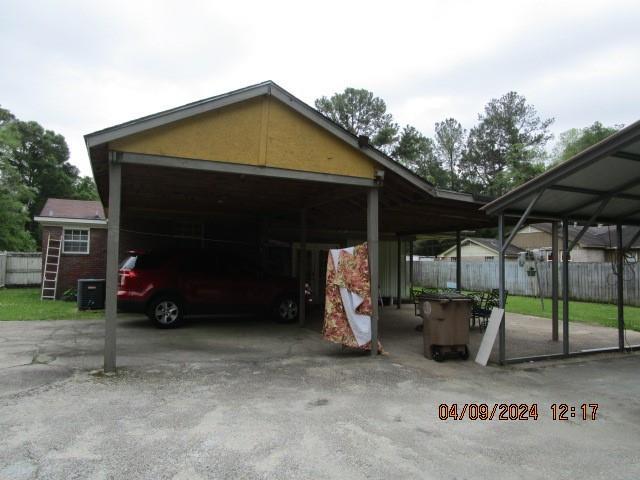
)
(142, 262)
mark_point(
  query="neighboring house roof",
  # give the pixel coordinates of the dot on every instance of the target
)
(596, 237)
(490, 244)
(61, 210)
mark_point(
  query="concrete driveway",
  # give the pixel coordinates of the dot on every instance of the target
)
(252, 399)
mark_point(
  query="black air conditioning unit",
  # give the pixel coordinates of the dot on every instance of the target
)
(91, 294)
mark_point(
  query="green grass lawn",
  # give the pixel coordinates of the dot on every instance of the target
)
(25, 304)
(596, 313)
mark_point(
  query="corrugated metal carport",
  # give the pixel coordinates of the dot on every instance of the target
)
(601, 185)
(260, 163)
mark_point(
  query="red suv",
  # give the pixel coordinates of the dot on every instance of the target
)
(168, 286)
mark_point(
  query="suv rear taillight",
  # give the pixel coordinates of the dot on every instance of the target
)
(124, 275)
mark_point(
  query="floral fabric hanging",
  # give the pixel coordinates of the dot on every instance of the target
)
(347, 315)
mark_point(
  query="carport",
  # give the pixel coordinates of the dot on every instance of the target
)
(601, 185)
(260, 165)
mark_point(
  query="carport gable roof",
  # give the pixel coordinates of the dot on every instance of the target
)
(268, 88)
(261, 150)
(599, 185)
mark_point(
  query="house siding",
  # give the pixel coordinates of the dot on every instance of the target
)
(542, 240)
(529, 241)
(579, 254)
(472, 252)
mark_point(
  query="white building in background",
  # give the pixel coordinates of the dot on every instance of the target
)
(479, 250)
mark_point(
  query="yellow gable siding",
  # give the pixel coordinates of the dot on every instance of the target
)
(230, 134)
(298, 144)
(260, 131)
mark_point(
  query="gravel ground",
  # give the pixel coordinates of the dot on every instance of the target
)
(250, 399)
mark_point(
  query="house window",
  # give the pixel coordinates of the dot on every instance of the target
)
(489, 258)
(76, 241)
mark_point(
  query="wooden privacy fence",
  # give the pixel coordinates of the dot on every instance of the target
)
(20, 268)
(589, 282)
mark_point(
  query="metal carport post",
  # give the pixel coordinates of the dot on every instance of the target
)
(372, 246)
(566, 251)
(503, 328)
(458, 261)
(302, 269)
(399, 275)
(554, 281)
(620, 275)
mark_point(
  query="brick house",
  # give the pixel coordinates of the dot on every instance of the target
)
(82, 226)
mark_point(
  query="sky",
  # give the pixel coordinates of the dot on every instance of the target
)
(80, 66)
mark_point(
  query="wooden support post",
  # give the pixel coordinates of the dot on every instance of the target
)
(554, 281)
(503, 330)
(112, 280)
(372, 245)
(458, 261)
(399, 276)
(302, 269)
(565, 286)
(620, 278)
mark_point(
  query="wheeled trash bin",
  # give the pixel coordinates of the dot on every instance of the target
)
(445, 325)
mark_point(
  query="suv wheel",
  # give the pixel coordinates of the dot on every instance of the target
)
(286, 309)
(165, 312)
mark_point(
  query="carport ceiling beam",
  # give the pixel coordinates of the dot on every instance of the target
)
(627, 156)
(241, 169)
(607, 195)
(589, 191)
(542, 216)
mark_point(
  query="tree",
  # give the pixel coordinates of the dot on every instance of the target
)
(417, 153)
(358, 111)
(37, 162)
(13, 213)
(506, 148)
(575, 140)
(40, 158)
(85, 189)
(450, 143)
(13, 195)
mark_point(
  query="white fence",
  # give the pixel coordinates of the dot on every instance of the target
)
(590, 282)
(20, 268)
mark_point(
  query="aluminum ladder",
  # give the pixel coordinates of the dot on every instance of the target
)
(51, 268)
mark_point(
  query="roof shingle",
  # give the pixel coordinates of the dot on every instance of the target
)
(78, 209)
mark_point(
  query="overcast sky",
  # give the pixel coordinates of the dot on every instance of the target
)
(77, 67)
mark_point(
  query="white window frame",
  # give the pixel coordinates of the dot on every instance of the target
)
(64, 235)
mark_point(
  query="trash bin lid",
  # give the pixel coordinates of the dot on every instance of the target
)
(444, 297)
